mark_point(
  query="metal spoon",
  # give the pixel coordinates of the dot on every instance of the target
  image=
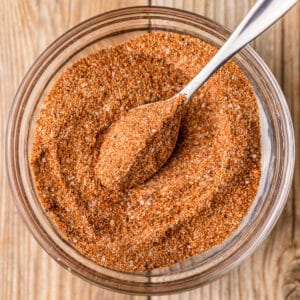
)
(262, 15)
(133, 150)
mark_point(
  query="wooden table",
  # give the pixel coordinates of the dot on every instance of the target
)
(26, 271)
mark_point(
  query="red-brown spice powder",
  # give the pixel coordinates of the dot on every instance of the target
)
(195, 201)
(139, 143)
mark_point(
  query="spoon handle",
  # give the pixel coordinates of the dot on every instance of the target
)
(262, 15)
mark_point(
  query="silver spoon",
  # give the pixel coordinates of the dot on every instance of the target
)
(135, 146)
(262, 15)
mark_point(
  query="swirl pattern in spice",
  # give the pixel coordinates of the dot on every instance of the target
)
(200, 195)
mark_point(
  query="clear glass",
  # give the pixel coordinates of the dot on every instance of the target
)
(277, 150)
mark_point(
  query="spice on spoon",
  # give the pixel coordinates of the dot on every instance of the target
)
(139, 143)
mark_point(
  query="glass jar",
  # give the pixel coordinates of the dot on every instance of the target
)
(277, 150)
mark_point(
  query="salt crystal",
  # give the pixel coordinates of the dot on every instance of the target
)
(44, 159)
(112, 74)
(92, 203)
(131, 263)
(103, 259)
(246, 182)
(167, 51)
(148, 202)
(203, 105)
(142, 202)
(112, 222)
(153, 130)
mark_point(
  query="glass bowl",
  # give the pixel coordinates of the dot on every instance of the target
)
(277, 150)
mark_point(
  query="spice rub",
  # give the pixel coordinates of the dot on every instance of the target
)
(194, 201)
(139, 143)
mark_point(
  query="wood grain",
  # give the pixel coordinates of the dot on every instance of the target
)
(26, 272)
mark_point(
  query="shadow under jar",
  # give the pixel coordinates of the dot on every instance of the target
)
(277, 141)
